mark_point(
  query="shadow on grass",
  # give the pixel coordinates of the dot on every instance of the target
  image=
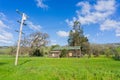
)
(25, 62)
(2, 63)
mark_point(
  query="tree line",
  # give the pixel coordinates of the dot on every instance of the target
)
(35, 44)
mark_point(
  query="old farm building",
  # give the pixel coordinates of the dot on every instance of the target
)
(72, 51)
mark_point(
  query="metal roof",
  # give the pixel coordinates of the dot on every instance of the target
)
(67, 48)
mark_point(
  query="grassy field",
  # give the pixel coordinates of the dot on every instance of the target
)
(5, 51)
(35, 68)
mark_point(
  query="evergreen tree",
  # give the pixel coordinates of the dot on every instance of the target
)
(77, 38)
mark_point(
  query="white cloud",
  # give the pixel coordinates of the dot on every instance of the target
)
(98, 13)
(5, 41)
(5, 37)
(109, 24)
(33, 26)
(118, 32)
(2, 25)
(85, 9)
(63, 33)
(2, 14)
(105, 5)
(41, 4)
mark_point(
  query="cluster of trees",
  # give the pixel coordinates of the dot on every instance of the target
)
(77, 38)
(33, 44)
(100, 49)
(105, 49)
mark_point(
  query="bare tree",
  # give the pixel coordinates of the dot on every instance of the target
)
(37, 40)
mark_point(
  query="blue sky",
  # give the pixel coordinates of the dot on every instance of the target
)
(100, 19)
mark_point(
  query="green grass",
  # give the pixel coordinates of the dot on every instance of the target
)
(35, 68)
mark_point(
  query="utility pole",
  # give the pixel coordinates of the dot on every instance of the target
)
(24, 17)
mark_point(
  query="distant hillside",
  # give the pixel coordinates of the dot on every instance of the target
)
(107, 44)
(4, 46)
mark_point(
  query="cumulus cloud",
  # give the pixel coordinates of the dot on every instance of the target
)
(86, 7)
(109, 24)
(33, 26)
(41, 4)
(95, 13)
(62, 33)
(105, 5)
(98, 13)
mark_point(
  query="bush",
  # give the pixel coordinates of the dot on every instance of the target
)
(36, 52)
(63, 53)
(117, 56)
(108, 52)
(117, 53)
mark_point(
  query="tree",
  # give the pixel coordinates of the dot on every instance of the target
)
(95, 50)
(25, 42)
(77, 38)
(25, 46)
(75, 35)
(33, 43)
(53, 46)
(37, 40)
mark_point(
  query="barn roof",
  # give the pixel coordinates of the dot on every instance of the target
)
(67, 48)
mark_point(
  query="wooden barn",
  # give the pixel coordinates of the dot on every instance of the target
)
(72, 51)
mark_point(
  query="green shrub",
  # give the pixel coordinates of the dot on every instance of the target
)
(117, 53)
(63, 53)
(36, 52)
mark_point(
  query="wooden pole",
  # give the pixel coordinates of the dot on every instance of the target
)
(20, 34)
